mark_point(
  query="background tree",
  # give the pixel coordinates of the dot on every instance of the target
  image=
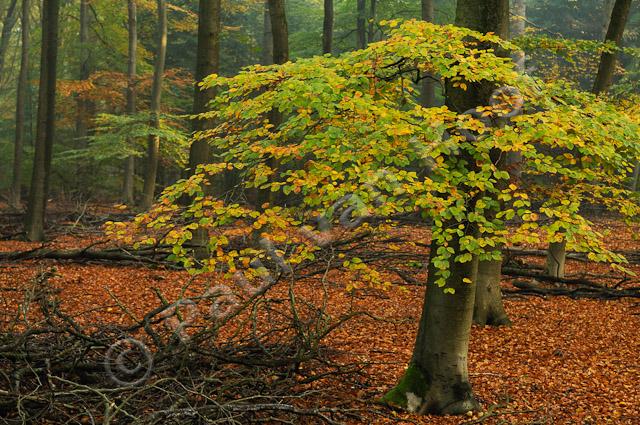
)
(327, 27)
(39, 190)
(132, 59)
(267, 36)
(5, 36)
(361, 24)
(21, 95)
(619, 17)
(428, 85)
(153, 146)
(280, 30)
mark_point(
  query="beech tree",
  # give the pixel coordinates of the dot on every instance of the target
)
(357, 126)
(7, 27)
(428, 85)
(39, 190)
(361, 24)
(619, 17)
(132, 29)
(207, 63)
(267, 36)
(280, 31)
(327, 27)
(21, 97)
(153, 145)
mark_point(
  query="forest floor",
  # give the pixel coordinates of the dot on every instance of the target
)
(564, 361)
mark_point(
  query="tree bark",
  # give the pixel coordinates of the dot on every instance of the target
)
(83, 105)
(34, 221)
(428, 93)
(635, 179)
(556, 258)
(21, 96)
(153, 145)
(5, 36)
(129, 166)
(607, 8)
(488, 309)
(267, 37)
(280, 31)
(437, 379)
(207, 63)
(373, 6)
(327, 27)
(518, 27)
(361, 25)
(607, 67)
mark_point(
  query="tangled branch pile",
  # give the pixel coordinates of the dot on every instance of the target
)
(255, 365)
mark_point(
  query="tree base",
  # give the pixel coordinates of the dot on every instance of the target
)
(415, 395)
(493, 320)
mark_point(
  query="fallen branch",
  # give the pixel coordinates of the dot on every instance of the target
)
(583, 291)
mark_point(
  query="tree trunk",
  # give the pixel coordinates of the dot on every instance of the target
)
(437, 379)
(373, 5)
(607, 8)
(518, 27)
(34, 221)
(5, 36)
(129, 166)
(21, 95)
(361, 25)
(82, 104)
(280, 31)
(153, 146)
(207, 63)
(488, 309)
(556, 257)
(428, 93)
(635, 178)
(607, 67)
(327, 27)
(267, 37)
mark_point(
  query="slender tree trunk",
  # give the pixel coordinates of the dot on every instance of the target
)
(153, 146)
(21, 95)
(280, 31)
(373, 6)
(635, 180)
(129, 166)
(207, 63)
(82, 104)
(437, 379)
(556, 257)
(488, 309)
(5, 36)
(361, 25)
(607, 67)
(327, 27)
(518, 27)
(34, 221)
(267, 37)
(607, 8)
(428, 93)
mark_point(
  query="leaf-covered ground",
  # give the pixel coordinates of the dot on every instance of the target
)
(563, 361)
